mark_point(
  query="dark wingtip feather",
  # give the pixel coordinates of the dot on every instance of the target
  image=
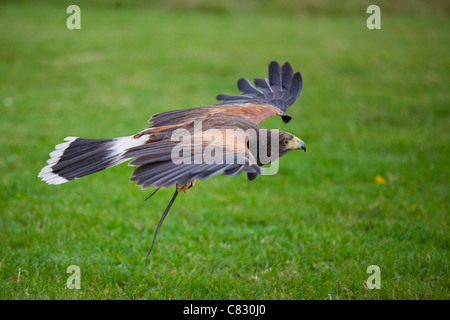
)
(286, 118)
(295, 89)
(275, 74)
(287, 73)
(229, 97)
(246, 86)
(252, 175)
(262, 83)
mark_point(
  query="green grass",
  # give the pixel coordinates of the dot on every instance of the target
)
(373, 103)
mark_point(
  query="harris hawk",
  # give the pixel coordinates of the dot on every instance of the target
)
(185, 145)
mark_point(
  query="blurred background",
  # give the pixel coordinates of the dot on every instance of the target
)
(373, 188)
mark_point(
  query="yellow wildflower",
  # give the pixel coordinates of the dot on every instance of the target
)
(380, 180)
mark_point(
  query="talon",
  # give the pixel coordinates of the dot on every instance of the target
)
(185, 187)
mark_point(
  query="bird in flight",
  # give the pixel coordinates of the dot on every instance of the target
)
(182, 146)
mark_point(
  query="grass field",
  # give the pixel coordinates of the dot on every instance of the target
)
(373, 188)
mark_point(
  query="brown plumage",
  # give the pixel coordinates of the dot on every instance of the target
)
(182, 146)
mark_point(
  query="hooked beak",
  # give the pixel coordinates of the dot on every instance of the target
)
(296, 143)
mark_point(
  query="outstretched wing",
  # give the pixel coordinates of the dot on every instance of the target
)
(274, 95)
(280, 90)
(164, 163)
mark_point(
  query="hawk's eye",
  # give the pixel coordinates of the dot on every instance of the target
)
(285, 142)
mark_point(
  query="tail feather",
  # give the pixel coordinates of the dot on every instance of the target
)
(78, 157)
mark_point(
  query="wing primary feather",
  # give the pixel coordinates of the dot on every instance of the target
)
(246, 86)
(233, 97)
(287, 74)
(295, 89)
(162, 219)
(162, 178)
(251, 175)
(262, 83)
(275, 74)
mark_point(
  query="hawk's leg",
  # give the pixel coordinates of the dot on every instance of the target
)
(185, 188)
